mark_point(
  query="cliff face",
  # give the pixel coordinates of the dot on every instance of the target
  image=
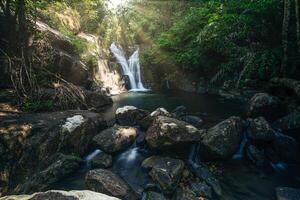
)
(89, 68)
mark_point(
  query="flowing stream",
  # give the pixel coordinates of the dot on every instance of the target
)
(240, 180)
(130, 67)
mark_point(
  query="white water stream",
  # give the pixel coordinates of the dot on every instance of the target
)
(130, 67)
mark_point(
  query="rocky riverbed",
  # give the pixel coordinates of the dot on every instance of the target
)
(151, 154)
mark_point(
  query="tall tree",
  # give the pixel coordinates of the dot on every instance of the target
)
(285, 30)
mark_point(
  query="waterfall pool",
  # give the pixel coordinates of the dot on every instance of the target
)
(240, 180)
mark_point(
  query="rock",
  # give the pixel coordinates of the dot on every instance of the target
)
(97, 100)
(179, 111)
(66, 59)
(62, 195)
(285, 193)
(60, 167)
(101, 160)
(263, 104)
(185, 194)
(148, 120)
(201, 189)
(115, 139)
(222, 140)
(130, 115)
(169, 132)
(166, 171)
(286, 148)
(260, 130)
(257, 156)
(290, 122)
(105, 181)
(154, 196)
(193, 120)
(204, 174)
(31, 140)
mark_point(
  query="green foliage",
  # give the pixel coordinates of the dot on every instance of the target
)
(37, 105)
(214, 38)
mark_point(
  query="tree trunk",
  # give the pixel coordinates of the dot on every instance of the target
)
(297, 24)
(285, 29)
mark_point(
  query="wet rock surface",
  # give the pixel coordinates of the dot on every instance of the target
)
(167, 172)
(130, 115)
(170, 132)
(105, 181)
(115, 139)
(222, 140)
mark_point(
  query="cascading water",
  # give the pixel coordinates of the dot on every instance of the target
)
(130, 68)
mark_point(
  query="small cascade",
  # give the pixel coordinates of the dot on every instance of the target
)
(194, 159)
(130, 68)
(129, 156)
(128, 166)
(240, 153)
(90, 157)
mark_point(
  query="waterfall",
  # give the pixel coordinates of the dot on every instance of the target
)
(130, 68)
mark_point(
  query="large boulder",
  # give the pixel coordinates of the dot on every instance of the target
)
(166, 171)
(130, 115)
(31, 140)
(285, 193)
(169, 132)
(222, 140)
(116, 138)
(148, 120)
(62, 195)
(60, 167)
(263, 104)
(105, 181)
(260, 130)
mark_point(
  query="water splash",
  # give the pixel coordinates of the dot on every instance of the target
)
(240, 153)
(129, 156)
(194, 159)
(130, 68)
(90, 157)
